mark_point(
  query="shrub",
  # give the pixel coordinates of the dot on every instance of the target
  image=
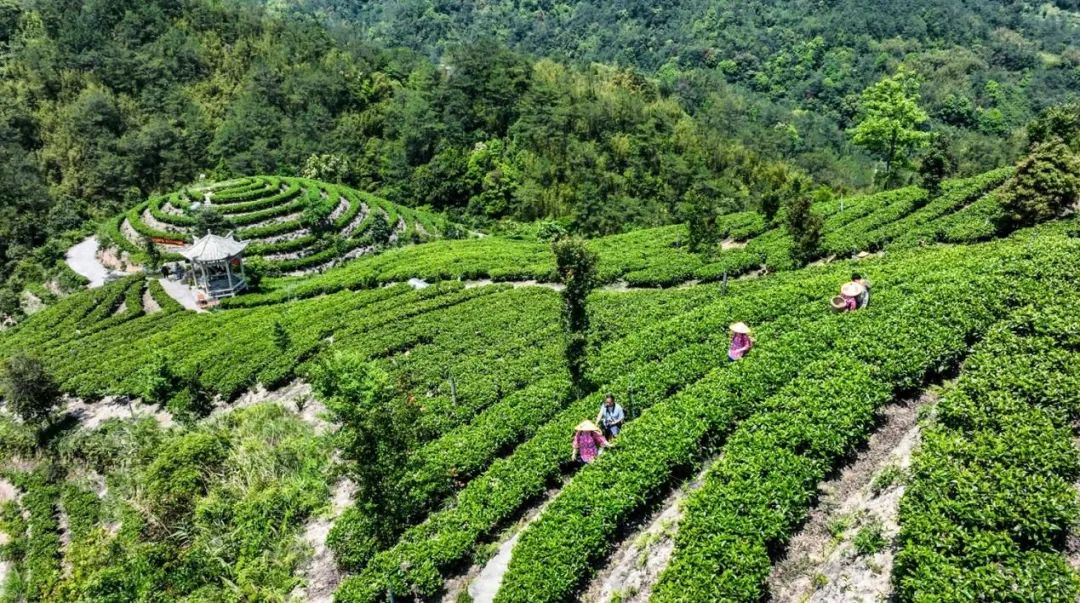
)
(1046, 183)
(870, 539)
(29, 389)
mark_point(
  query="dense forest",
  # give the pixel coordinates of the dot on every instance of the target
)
(105, 103)
(606, 116)
(780, 75)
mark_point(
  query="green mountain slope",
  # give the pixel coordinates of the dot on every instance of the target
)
(481, 406)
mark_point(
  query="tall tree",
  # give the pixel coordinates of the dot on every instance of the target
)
(804, 225)
(702, 208)
(375, 435)
(576, 265)
(30, 391)
(889, 119)
(1046, 183)
(936, 165)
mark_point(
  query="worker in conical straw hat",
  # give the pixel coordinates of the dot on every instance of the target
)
(741, 341)
(587, 442)
(864, 298)
(850, 293)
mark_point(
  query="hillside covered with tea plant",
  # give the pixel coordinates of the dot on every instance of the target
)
(342, 434)
(825, 257)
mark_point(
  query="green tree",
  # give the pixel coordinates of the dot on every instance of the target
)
(209, 219)
(1046, 183)
(702, 208)
(30, 391)
(255, 270)
(153, 254)
(1062, 123)
(331, 167)
(282, 341)
(804, 225)
(576, 266)
(376, 432)
(889, 119)
(936, 165)
(156, 382)
(379, 231)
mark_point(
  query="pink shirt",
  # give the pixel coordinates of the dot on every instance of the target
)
(588, 444)
(851, 303)
(740, 345)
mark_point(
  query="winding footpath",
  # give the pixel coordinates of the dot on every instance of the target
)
(82, 258)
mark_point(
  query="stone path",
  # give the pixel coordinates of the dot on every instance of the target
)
(82, 258)
(181, 293)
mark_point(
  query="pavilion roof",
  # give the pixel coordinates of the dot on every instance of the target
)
(213, 248)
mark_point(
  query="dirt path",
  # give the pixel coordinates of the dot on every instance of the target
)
(64, 530)
(111, 407)
(183, 294)
(1072, 550)
(822, 564)
(149, 304)
(482, 581)
(484, 282)
(636, 563)
(321, 574)
(82, 258)
(295, 397)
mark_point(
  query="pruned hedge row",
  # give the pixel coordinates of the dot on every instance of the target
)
(919, 227)
(39, 568)
(724, 543)
(991, 500)
(295, 209)
(549, 564)
(417, 562)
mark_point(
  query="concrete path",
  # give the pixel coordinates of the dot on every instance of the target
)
(82, 258)
(181, 293)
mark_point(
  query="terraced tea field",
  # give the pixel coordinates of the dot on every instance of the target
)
(200, 456)
(296, 225)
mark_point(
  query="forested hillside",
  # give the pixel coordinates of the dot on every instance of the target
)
(104, 104)
(785, 76)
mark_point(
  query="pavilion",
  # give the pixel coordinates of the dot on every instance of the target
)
(217, 265)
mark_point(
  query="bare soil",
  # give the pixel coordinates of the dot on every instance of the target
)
(149, 304)
(321, 574)
(295, 397)
(483, 579)
(113, 407)
(822, 564)
(636, 563)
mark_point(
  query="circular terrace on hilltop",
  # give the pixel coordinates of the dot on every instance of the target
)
(296, 225)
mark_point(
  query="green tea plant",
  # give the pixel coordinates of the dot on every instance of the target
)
(990, 501)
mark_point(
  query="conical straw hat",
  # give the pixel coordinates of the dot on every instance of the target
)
(587, 425)
(852, 289)
(740, 327)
